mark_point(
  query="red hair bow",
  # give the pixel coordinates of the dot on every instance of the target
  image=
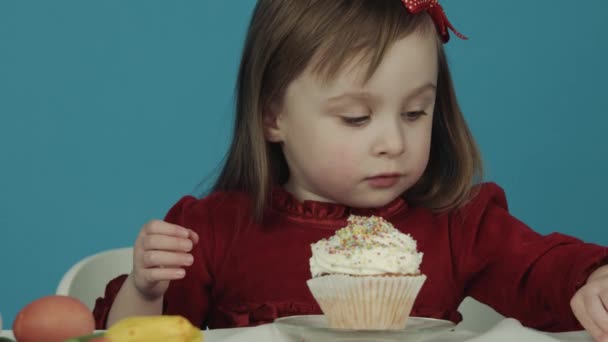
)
(436, 12)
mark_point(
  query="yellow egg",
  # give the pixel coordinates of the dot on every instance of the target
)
(53, 319)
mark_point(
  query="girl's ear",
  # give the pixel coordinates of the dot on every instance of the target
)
(272, 127)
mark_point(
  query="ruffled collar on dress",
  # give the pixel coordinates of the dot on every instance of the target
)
(283, 201)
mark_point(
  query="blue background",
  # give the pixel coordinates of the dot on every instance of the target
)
(112, 110)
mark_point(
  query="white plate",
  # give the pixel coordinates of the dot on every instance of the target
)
(314, 328)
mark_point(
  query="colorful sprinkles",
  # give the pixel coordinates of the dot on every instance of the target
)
(367, 245)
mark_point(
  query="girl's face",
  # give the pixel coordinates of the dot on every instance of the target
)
(359, 143)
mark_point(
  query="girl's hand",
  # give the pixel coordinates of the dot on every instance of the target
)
(590, 305)
(161, 253)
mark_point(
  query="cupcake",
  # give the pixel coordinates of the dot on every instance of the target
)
(366, 276)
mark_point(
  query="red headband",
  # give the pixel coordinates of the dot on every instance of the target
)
(436, 12)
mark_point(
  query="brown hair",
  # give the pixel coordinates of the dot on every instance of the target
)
(284, 37)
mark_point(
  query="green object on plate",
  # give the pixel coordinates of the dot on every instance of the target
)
(85, 338)
(6, 339)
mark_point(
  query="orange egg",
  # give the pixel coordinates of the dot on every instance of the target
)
(53, 319)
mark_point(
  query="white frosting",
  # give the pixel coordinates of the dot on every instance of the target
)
(366, 246)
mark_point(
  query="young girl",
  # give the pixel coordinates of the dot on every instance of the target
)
(347, 107)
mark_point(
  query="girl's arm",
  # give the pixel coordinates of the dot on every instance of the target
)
(175, 282)
(129, 302)
(517, 271)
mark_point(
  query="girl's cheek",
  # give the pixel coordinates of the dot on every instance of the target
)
(341, 164)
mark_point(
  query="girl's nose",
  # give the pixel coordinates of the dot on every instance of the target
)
(390, 141)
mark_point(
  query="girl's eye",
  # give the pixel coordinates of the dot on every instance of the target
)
(412, 116)
(356, 121)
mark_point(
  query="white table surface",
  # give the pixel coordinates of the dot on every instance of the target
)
(507, 330)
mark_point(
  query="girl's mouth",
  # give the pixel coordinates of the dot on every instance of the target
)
(384, 180)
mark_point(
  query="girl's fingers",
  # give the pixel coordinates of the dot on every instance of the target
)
(597, 312)
(167, 260)
(585, 319)
(194, 236)
(165, 228)
(154, 275)
(166, 243)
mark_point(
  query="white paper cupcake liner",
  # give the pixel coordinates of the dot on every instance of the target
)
(366, 302)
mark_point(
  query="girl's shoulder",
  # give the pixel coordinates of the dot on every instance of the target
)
(488, 192)
(483, 197)
(220, 206)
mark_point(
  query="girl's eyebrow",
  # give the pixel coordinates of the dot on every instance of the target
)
(362, 95)
(359, 95)
(422, 89)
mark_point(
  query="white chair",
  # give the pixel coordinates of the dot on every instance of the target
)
(477, 316)
(87, 279)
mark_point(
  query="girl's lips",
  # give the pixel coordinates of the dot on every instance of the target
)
(384, 181)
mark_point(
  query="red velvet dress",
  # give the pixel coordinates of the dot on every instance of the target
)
(247, 274)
